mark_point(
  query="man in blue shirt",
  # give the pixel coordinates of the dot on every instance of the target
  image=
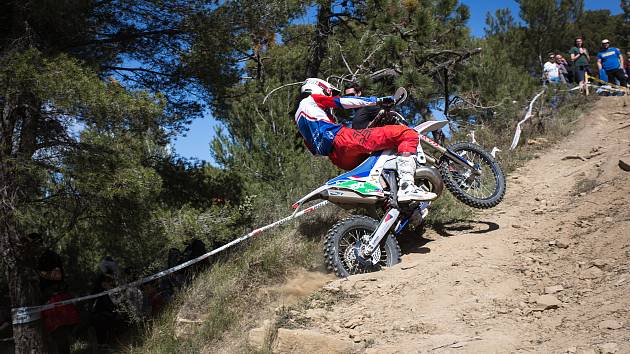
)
(610, 60)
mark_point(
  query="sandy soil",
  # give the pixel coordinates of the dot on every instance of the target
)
(547, 271)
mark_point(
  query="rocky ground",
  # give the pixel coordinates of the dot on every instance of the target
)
(547, 271)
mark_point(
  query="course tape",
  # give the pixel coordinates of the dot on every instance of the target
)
(31, 313)
(625, 89)
(528, 115)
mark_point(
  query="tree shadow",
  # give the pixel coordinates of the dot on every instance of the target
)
(454, 228)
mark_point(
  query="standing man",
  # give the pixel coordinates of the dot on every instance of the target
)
(580, 58)
(364, 115)
(610, 60)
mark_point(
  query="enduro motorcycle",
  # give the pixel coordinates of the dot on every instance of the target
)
(361, 243)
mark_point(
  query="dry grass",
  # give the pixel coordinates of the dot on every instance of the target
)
(227, 299)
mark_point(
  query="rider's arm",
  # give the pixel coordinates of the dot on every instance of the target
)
(347, 102)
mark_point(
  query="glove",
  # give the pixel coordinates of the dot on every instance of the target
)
(385, 101)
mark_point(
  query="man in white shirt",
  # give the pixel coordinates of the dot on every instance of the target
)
(551, 72)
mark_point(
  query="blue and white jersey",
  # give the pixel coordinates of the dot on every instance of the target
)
(317, 126)
(610, 58)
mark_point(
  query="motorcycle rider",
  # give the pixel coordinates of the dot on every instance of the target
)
(346, 147)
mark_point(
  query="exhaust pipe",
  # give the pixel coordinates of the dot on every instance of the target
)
(431, 176)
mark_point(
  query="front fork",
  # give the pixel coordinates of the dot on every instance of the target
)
(383, 228)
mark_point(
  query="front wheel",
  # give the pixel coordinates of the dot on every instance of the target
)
(483, 187)
(345, 240)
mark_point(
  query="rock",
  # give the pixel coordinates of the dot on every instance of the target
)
(624, 166)
(187, 325)
(562, 244)
(352, 333)
(518, 226)
(591, 273)
(332, 288)
(573, 157)
(309, 341)
(608, 219)
(610, 324)
(608, 348)
(383, 350)
(599, 263)
(553, 289)
(587, 351)
(351, 323)
(571, 350)
(316, 314)
(546, 302)
(257, 336)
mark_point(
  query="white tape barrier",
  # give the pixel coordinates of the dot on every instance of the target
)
(528, 115)
(32, 313)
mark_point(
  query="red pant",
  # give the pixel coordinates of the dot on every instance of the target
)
(351, 147)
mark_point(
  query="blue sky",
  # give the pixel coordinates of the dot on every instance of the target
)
(196, 142)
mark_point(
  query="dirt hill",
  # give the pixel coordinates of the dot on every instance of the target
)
(547, 271)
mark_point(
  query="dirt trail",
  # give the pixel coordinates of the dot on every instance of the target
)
(563, 229)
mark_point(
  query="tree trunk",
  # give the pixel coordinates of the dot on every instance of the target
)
(19, 265)
(319, 44)
(17, 253)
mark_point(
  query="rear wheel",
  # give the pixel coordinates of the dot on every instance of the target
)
(483, 189)
(345, 240)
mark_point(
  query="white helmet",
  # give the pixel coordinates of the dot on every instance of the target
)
(318, 87)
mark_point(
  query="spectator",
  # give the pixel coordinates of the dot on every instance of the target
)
(580, 59)
(60, 321)
(195, 249)
(177, 279)
(362, 116)
(104, 316)
(610, 60)
(627, 67)
(108, 266)
(155, 296)
(131, 299)
(551, 73)
(562, 68)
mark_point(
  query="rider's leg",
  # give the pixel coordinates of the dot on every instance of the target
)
(407, 190)
(350, 148)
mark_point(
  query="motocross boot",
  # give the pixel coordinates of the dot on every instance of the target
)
(407, 190)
